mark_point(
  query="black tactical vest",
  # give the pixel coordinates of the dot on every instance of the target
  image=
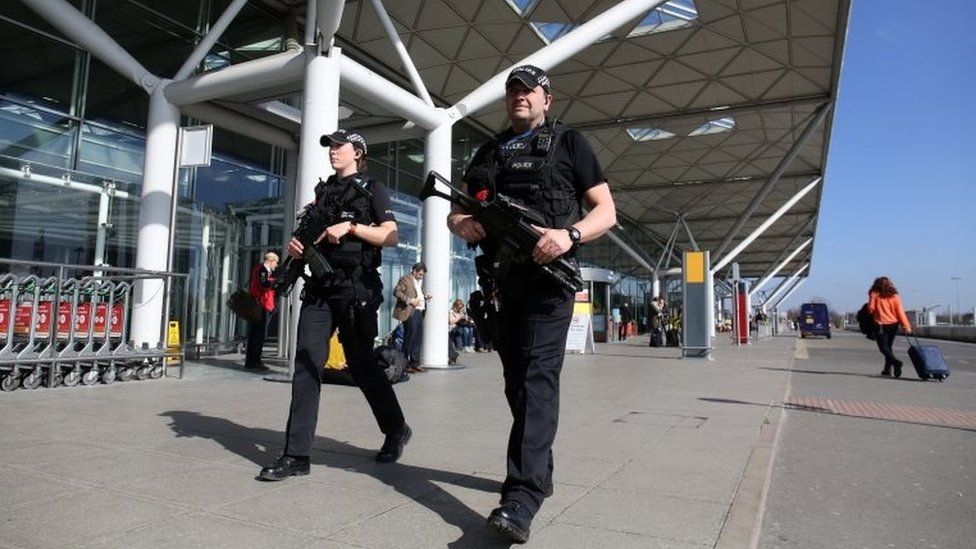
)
(525, 170)
(349, 197)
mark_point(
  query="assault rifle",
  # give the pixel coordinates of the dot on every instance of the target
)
(313, 220)
(509, 227)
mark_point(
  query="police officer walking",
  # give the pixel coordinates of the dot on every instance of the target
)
(347, 299)
(551, 169)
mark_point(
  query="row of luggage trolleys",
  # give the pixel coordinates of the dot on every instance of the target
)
(69, 331)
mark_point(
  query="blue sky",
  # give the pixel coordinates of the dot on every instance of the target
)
(900, 193)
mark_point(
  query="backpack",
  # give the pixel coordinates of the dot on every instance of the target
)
(866, 323)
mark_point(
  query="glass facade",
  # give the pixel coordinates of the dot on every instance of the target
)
(72, 147)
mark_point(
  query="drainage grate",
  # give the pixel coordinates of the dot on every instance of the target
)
(948, 417)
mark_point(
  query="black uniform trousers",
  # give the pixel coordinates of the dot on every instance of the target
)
(257, 332)
(885, 341)
(320, 316)
(533, 323)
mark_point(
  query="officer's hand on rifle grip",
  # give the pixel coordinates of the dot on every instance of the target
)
(335, 232)
(466, 227)
(552, 244)
(295, 248)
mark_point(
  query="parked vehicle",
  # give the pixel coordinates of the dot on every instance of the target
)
(814, 320)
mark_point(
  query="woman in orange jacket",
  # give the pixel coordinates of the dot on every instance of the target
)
(885, 306)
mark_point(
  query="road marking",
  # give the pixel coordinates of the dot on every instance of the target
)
(800, 350)
(947, 417)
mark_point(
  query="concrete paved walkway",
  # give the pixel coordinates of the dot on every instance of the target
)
(652, 451)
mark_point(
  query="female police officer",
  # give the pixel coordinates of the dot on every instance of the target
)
(346, 299)
(551, 168)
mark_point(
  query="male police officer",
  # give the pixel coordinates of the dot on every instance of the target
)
(550, 168)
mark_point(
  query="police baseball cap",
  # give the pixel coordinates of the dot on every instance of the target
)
(343, 137)
(529, 75)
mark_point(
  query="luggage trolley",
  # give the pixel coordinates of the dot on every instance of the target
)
(44, 320)
(26, 348)
(9, 288)
(103, 363)
(73, 328)
(129, 363)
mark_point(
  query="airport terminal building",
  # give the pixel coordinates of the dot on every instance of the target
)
(711, 119)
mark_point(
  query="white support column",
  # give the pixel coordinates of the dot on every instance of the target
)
(320, 116)
(101, 231)
(158, 176)
(655, 285)
(436, 243)
(329, 15)
(205, 45)
(241, 124)
(284, 308)
(387, 95)
(765, 225)
(786, 296)
(782, 264)
(772, 298)
(401, 50)
(81, 30)
(201, 298)
(226, 284)
(558, 51)
(801, 141)
(260, 74)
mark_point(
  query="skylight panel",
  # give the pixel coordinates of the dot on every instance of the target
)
(720, 125)
(648, 134)
(551, 31)
(672, 15)
(522, 7)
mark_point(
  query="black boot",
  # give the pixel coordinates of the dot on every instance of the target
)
(284, 467)
(393, 445)
(898, 366)
(512, 521)
(886, 371)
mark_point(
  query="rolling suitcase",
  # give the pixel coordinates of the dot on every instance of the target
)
(928, 360)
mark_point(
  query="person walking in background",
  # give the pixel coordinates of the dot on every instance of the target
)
(885, 307)
(461, 327)
(262, 290)
(410, 306)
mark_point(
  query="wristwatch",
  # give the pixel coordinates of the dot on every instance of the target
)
(574, 236)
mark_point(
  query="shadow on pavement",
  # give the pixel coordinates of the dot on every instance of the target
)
(252, 444)
(822, 372)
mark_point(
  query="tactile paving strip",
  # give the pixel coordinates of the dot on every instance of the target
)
(948, 417)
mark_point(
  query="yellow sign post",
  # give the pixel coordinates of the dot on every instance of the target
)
(173, 342)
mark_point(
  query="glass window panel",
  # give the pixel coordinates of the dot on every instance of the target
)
(160, 44)
(410, 157)
(256, 154)
(230, 182)
(22, 14)
(114, 99)
(45, 221)
(36, 69)
(112, 153)
(36, 135)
